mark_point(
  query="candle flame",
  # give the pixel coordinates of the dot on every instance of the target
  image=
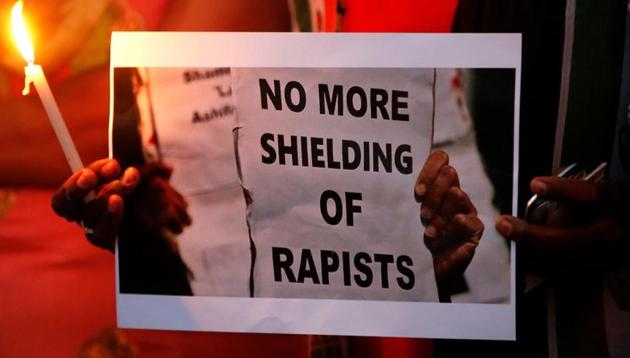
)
(20, 33)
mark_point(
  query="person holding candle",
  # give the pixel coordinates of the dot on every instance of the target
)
(75, 95)
(49, 276)
(61, 291)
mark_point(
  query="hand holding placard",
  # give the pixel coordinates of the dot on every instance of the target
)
(453, 229)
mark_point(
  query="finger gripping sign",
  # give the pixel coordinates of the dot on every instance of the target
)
(329, 158)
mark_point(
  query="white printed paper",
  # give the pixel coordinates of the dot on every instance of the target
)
(351, 227)
(329, 158)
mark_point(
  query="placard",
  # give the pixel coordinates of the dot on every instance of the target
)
(297, 156)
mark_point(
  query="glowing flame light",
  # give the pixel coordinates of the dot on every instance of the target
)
(20, 33)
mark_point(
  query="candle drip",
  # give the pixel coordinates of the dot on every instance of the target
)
(28, 79)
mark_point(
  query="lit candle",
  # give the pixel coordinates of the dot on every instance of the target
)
(35, 75)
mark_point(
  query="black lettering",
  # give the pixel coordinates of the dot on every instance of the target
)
(224, 91)
(284, 149)
(317, 153)
(330, 155)
(214, 113)
(288, 96)
(323, 206)
(403, 263)
(280, 264)
(384, 260)
(397, 105)
(330, 263)
(404, 163)
(366, 155)
(360, 111)
(195, 75)
(267, 94)
(351, 208)
(345, 257)
(307, 268)
(348, 164)
(360, 260)
(327, 103)
(384, 158)
(187, 77)
(264, 143)
(378, 100)
(304, 150)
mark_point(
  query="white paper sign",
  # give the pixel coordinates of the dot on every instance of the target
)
(330, 157)
(299, 176)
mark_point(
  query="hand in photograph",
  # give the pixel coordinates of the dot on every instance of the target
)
(452, 228)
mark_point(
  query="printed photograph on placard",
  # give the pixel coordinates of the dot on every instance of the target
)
(373, 184)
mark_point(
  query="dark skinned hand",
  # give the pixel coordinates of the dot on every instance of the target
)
(452, 228)
(152, 202)
(155, 204)
(93, 197)
(586, 230)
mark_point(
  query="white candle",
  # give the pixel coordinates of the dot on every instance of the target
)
(35, 75)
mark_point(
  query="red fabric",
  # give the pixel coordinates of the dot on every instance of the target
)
(398, 16)
(404, 347)
(57, 291)
(152, 11)
(375, 347)
(330, 7)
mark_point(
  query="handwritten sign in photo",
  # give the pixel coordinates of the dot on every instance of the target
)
(329, 158)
